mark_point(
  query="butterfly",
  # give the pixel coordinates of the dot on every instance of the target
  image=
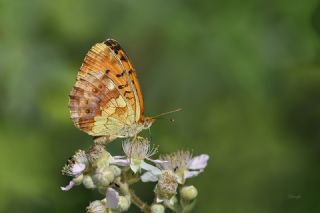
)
(106, 101)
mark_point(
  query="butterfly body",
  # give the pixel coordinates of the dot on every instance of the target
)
(106, 100)
(134, 129)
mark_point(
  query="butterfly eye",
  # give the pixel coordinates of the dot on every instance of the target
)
(147, 124)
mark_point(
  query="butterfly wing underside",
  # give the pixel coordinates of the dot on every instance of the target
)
(107, 94)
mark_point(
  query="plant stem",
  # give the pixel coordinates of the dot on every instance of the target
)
(139, 203)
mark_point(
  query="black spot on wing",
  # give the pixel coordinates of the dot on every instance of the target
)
(121, 74)
(122, 86)
(122, 58)
(114, 45)
(127, 92)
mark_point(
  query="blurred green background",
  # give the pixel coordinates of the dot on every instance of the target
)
(246, 73)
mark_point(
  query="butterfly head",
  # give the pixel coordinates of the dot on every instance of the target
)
(148, 121)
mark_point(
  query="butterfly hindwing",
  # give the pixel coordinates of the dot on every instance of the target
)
(105, 97)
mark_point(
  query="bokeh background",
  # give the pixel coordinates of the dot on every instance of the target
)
(247, 75)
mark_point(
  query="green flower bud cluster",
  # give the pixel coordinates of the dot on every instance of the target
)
(157, 208)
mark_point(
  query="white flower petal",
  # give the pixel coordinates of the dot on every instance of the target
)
(69, 186)
(189, 174)
(199, 162)
(149, 177)
(148, 167)
(119, 157)
(158, 161)
(78, 168)
(120, 162)
(134, 166)
(112, 198)
(159, 200)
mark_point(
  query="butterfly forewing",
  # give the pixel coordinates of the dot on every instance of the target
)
(131, 77)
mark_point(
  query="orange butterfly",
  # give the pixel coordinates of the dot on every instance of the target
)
(106, 101)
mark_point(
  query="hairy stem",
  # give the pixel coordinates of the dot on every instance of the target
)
(139, 203)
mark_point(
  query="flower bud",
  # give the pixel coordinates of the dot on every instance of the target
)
(103, 177)
(102, 189)
(124, 203)
(97, 206)
(103, 161)
(189, 192)
(116, 170)
(157, 208)
(88, 182)
(98, 156)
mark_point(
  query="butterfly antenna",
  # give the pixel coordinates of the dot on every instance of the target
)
(166, 113)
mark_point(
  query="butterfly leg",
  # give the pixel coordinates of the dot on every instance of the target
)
(139, 138)
(103, 140)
